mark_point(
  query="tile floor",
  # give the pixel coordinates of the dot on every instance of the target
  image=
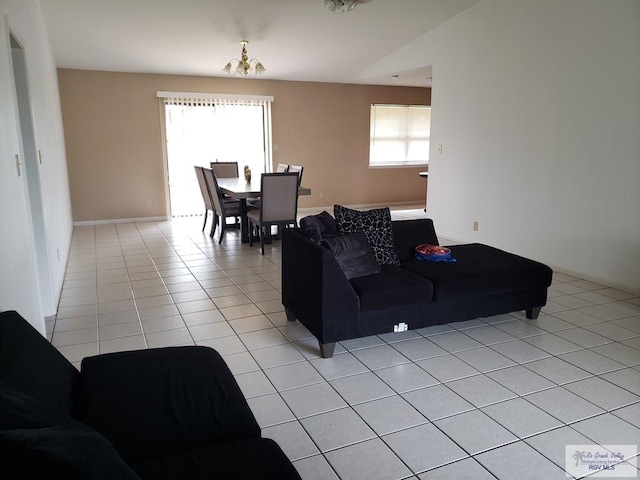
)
(496, 397)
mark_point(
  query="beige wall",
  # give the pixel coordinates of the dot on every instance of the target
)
(112, 124)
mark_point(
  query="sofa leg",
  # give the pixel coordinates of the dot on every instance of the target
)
(290, 316)
(532, 313)
(326, 349)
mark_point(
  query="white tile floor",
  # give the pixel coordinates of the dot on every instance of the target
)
(497, 397)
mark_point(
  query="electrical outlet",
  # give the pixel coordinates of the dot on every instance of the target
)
(321, 195)
(148, 203)
(475, 226)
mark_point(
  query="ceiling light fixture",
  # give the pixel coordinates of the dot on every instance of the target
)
(244, 64)
(338, 6)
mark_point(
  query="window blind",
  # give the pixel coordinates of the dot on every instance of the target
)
(399, 135)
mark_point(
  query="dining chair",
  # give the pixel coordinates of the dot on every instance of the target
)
(278, 205)
(206, 197)
(281, 168)
(225, 169)
(297, 169)
(222, 209)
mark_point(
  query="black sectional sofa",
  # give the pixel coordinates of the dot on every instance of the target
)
(166, 413)
(483, 281)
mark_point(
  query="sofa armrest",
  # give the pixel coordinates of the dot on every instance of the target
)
(408, 234)
(156, 402)
(316, 291)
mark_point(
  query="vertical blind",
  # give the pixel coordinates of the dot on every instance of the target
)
(399, 135)
(204, 128)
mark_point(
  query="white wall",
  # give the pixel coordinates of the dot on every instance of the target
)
(19, 288)
(537, 106)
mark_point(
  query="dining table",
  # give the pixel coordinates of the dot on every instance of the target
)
(239, 188)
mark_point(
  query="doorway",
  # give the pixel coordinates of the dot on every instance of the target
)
(31, 171)
(201, 131)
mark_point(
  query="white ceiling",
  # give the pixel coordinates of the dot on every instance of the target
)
(296, 40)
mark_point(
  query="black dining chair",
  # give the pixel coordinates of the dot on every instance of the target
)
(206, 197)
(226, 170)
(222, 209)
(278, 205)
(297, 169)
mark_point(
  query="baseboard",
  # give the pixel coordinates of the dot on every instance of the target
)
(590, 278)
(446, 240)
(119, 220)
(364, 206)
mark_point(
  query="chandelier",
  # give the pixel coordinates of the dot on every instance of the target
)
(338, 6)
(244, 64)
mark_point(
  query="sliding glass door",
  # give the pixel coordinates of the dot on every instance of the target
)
(204, 130)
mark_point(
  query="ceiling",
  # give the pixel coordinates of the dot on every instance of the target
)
(297, 40)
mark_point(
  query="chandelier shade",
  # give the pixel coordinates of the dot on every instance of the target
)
(338, 6)
(244, 65)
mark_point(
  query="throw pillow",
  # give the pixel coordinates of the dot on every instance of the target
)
(354, 254)
(40, 442)
(317, 227)
(376, 225)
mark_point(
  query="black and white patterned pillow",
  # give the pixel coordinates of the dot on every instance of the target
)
(376, 225)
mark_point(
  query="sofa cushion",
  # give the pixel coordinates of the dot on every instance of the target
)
(480, 270)
(40, 442)
(31, 364)
(376, 225)
(163, 400)
(354, 254)
(391, 287)
(317, 227)
(255, 458)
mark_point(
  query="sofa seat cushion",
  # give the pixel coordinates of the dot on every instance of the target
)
(40, 442)
(155, 402)
(259, 458)
(393, 286)
(480, 270)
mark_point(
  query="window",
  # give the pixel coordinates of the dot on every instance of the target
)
(399, 135)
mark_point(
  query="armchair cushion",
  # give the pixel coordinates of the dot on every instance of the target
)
(156, 402)
(376, 225)
(41, 442)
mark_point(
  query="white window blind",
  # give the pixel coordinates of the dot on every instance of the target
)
(399, 135)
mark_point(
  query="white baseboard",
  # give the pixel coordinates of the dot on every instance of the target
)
(446, 240)
(305, 210)
(119, 220)
(364, 206)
